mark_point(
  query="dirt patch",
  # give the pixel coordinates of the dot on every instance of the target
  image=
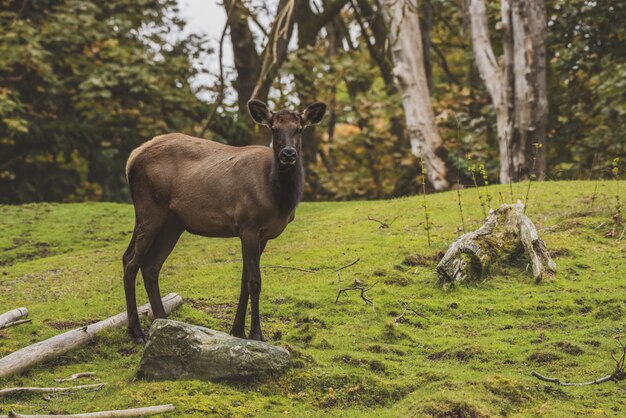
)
(462, 354)
(373, 365)
(452, 409)
(419, 260)
(541, 356)
(224, 311)
(514, 392)
(398, 281)
(68, 324)
(568, 348)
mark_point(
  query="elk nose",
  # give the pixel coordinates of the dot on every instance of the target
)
(288, 155)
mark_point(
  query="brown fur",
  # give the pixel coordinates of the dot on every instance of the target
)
(180, 183)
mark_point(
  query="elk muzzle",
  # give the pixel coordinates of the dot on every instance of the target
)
(288, 156)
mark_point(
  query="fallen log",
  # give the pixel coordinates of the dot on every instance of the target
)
(134, 412)
(13, 317)
(56, 346)
(506, 231)
(13, 391)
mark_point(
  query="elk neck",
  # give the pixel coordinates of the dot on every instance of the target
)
(287, 184)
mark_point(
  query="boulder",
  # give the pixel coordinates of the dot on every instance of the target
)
(178, 350)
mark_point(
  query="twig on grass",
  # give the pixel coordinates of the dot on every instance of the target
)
(362, 289)
(405, 309)
(11, 324)
(76, 376)
(560, 382)
(288, 267)
(348, 265)
(133, 412)
(383, 225)
(13, 391)
(617, 375)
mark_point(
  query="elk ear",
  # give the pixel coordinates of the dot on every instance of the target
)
(259, 112)
(313, 114)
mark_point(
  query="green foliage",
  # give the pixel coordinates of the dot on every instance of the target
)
(84, 82)
(471, 355)
(587, 86)
(365, 158)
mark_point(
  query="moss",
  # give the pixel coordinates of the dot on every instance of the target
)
(507, 324)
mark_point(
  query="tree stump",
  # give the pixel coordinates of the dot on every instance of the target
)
(506, 231)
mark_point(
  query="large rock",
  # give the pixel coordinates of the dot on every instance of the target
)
(178, 350)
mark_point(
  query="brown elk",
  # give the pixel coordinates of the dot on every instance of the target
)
(179, 183)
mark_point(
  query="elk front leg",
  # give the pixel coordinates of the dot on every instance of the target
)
(238, 329)
(251, 248)
(240, 317)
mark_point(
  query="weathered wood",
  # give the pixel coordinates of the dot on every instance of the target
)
(8, 319)
(58, 345)
(409, 69)
(76, 376)
(13, 391)
(134, 412)
(506, 231)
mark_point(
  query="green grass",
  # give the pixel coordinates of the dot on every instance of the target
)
(471, 356)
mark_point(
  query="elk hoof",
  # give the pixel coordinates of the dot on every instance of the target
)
(257, 336)
(138, 336)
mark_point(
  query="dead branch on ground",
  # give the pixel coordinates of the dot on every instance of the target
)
(58, 345)
(76, 376)
(17, 390)
(348, 265)
(405, 309)
(362, 289)
(383, 225)
(288, 267)
(13, 317)
(618, 374)
(133, 412)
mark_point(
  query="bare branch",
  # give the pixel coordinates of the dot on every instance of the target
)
(133, 412)
(349, 265)
(288, 267)
(13, 391)
(11, 324)
(76, 376)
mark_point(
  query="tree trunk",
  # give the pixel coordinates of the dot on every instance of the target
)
(249, 64)
(516, 85)
(534, 21)
(406, 45)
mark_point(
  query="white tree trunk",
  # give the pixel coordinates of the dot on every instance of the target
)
(517, 84)
(408, 55)
(496, 76)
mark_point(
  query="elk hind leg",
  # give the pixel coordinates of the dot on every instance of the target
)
(143, 236)
(161, 248)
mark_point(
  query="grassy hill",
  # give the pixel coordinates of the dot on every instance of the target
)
(470, 354)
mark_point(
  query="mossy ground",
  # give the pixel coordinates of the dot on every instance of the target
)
(470, 356)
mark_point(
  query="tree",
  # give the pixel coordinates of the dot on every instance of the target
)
(83, 83)
(516, 82)
(406, 45)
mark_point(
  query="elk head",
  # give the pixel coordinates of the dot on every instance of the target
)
(286, 128)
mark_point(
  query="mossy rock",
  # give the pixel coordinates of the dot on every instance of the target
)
(178, 350)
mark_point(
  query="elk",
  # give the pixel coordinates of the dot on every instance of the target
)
(180, 183)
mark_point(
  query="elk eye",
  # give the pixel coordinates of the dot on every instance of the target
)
(299, 130)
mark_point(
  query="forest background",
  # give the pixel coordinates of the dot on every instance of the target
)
(82, 83)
